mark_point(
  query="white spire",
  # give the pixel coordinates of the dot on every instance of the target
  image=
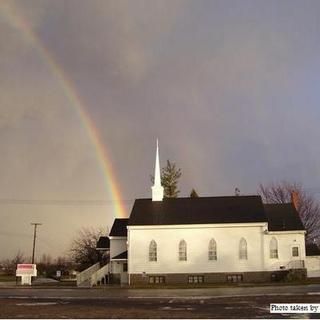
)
(157, 177)
(157, 189)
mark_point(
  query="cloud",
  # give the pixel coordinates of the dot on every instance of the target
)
(117, 41)
(229, 90)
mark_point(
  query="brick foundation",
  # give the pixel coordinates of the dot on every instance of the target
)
(221, 277)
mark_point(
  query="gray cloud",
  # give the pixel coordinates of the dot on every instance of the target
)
(230, 90)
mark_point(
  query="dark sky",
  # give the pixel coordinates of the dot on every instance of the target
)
(230, 88)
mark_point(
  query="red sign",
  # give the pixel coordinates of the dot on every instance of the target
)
(25, 266)
(26, 269)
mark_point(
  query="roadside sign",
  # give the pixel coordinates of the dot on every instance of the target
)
(26, 271)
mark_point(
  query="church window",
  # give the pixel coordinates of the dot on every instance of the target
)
(295, 251)
(182, 251)
(153, 251)
(212, 250)
(243, 254)
(274, 248)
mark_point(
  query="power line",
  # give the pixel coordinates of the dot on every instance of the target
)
(76, 202)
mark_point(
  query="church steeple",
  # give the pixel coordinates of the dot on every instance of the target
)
(157, 189)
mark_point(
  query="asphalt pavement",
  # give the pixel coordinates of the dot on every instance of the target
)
(111, 302)
(107, 292)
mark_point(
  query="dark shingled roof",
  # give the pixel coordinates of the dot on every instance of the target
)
(283, 216)
(202, 210)
(103, 243)
(312, 249)
(119, 228)
(121, 256)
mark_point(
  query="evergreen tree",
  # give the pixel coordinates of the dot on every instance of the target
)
(170, 176)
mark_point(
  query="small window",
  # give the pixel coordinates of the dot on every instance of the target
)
(195, 279)
(243, 254)
(273, 248)
(212, 250)
(153, 251)
(295, 251)
(234, 278)
(125, 267)
(156, 279)
(182, 251)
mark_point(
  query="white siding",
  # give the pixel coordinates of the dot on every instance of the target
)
(197, 238)
(117, 267)
(117, 246)
(313, 266)
(286, 240)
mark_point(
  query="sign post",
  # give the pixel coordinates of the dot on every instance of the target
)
(26, 271)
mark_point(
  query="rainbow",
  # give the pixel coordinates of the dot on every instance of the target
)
(16, 20)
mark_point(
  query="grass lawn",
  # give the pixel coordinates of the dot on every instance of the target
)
(5, 278)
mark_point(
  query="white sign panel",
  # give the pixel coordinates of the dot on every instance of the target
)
(26, 269)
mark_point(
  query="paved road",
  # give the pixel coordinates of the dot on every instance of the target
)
(107, 292)
(237, 302)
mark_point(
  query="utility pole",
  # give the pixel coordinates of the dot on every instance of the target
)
(35, 224)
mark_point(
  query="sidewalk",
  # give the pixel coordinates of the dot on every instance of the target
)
(9, 284)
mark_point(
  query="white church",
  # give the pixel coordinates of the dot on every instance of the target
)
(206, 240)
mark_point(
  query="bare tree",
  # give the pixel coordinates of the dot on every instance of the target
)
(83, 248)
(10, 266)
(46, 259)
(49, 267)
(18, 258)
(307, 207)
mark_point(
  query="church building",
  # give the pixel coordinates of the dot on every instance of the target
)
(206, 240)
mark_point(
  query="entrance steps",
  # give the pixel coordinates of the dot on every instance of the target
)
(93, 276)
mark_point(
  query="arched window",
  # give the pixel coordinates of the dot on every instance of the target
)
(212, 250)
(153, 251)
(243, 254)
(273, 248)
(182, 251)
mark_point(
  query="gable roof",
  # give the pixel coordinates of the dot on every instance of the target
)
(121, 256)
(119, 228)
(202, 210)
(283, 217)
(103, 243)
